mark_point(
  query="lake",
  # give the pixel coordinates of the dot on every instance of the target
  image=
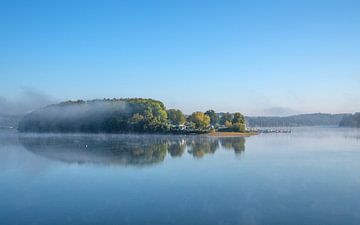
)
(311, 176)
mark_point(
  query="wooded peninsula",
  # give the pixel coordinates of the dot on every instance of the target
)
(127, 115)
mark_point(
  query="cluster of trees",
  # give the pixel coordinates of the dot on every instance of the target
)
(209, 119)
(131, 115)
(197, 120)
(176, 117)
(233, 122)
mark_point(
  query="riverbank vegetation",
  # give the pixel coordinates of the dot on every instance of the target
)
(130, 115)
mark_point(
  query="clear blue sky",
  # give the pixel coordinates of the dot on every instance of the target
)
(256, 57)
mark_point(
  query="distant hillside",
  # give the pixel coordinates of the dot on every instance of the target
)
(351, 120)
(316, 119)
(9, 121)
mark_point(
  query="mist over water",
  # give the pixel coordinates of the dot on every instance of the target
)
(97, 109)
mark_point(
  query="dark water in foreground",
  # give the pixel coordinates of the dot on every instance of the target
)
(311, 176)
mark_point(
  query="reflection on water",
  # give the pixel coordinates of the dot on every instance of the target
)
(125, 149)
(238, 145)
(311, 176)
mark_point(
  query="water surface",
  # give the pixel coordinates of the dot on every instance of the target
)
(311, 176)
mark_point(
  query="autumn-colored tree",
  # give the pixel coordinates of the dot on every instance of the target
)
(228, 123)
(200, 120)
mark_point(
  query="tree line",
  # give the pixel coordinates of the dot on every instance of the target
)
(130, 115)
(208, 120)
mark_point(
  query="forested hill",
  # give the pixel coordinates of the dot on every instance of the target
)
(316, 119)
(108, 115)
(351, 120)
(130, 115)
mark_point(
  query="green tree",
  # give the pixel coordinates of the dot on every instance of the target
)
(238, 118)
(214, 118)
(237, 127)
(200, 120)
(238, 122)
(176, 117)
(137, 122)
(153, 112)
(226, 117)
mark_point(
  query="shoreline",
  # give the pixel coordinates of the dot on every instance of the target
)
(210, 134)
(230, 134)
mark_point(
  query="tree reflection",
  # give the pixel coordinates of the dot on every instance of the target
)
(138, 150)
(200, 147)
(233, 143)
(123, 150)
(177, 148)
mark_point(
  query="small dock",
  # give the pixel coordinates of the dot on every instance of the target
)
(270, 130)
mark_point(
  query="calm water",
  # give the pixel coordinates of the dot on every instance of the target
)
(311, 176)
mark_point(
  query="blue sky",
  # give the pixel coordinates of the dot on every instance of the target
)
(256, 57)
